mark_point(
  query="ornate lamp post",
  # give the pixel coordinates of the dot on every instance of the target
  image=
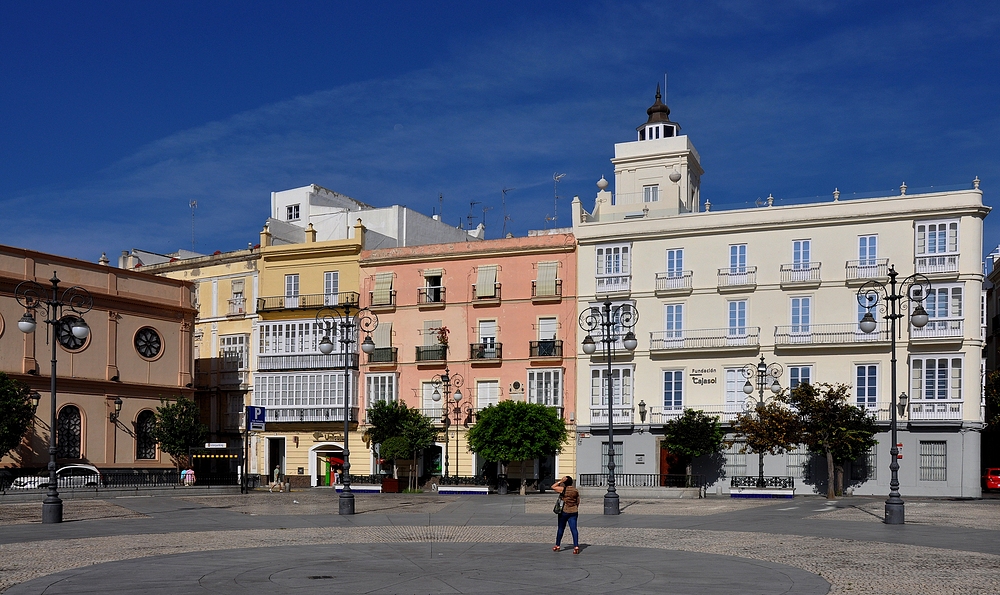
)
(345, 324)
(762, 372)
(67, 329)
(447, 381)
(613, 322)
(889, 299)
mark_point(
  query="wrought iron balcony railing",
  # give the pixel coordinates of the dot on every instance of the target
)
(556, 290)
(800, 272)
(431, 353)
(486, 351)
(306, 361)
(386, 300)
(742, 336)
(300, 414)
(477, 293)
(827, 334)
(430, 295)
(737, 277)
(551, 348)
(862, 270)
(673, 281)
(383, 355)
(314, 300)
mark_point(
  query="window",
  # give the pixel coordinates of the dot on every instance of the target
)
(433, 286)
(382, 294)
(801, 307)
(331, 288)
(619, 456)
(431, 408)
(866, 385)
(302, 389)
(237, 303)
(800, 254)
(292, 213)
(69, 433)
(650, 193)
(486, 282)
(736, 461)
(488, 339)
(145, 444)
(380, 388)
(944, 308)
(291, 291)
(234, 351)
(675, 263)
(737, 318)
(937, 238)
(867, 251)
(933, 460)
(487, 393)
(673, 390)
(613, 260)
(864, 467)
(734, 390)
(673, 325)
(548, 328)
(546, 284)
(798, 463)
(868, 306)
(621, 379)
(799, 375)
(545, 387)
(935, 378)
(148, 343)
(737, 259)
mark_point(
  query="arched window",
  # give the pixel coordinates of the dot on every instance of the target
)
(145, 444)
(68, 433)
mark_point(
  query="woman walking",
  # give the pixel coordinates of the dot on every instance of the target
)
(571, 508)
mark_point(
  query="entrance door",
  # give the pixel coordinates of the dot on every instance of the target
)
(670, 464)
(329, 465)
(275, 458)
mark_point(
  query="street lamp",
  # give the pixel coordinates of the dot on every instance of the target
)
(762, 372)
(71, 330)
(344, 323)
(447, 381)
(612, 322)
(911, 290)
(113, 416)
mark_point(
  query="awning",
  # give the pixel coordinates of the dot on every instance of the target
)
(486, 281)
(382, 296)
(383, 335)
(545, 285)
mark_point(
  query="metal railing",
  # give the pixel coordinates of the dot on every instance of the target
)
(613, 283)
(388, 302)
(642, 480)
(458, 480)
(431, 353)
(746, 336)
(486, 351)
(237, 306)
(622, 415)
(552, 348)
(752, 481)
(674, 281)
(872, 268)
(737, 276)
(306, 361)
(936, 264)
(135, 478)
(800, 272)
(937, 328)
(940, 410)
(657, 415)
(495, 296)
(279, 414)
(430, 295)
(383, 355)
(312, 300)
(827, 334)
(558, 290)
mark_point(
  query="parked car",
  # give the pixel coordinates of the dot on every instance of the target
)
(991, 479)
(70, 476)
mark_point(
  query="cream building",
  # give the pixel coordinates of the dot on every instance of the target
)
(716, 290)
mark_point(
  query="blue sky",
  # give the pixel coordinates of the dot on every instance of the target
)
(117, 114)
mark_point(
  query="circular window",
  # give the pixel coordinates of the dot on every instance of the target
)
(65, 336)
(148, 343)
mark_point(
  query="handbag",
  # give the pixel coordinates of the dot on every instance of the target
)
(558, 508)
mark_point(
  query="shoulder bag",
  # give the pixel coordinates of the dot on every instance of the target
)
(558, 508)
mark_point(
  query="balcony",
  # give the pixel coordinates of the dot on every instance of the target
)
(622, 416)
(490, 351)
(306, 361)
(237, 307)
(800, 274)
(313, 300)
(858, 271)
(940, 329)
(432, 353)
(233, 378)
(431, 296)
(657, 415)
(737, 279)
(477, 296)
(673, 283)
(848, 333)
(737, 338)
(541, 349)
(613, 284)
(935, 411)
(383, 355)
(939, 266)
(384, 301)
(331, 413)
(553, 293)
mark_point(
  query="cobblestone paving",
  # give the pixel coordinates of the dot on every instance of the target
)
(323, 502)
(850, 566)
(702, 507)
(73, 510)
(971, 514)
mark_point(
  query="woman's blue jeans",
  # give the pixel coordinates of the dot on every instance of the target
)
(568, 517)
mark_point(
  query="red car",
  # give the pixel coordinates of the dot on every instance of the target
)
(991, 479)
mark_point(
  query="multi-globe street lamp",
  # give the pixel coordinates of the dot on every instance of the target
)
(616, 325)
(446, 381)
(67, 329)
(889, 299)
(761, 372)
(344, 323)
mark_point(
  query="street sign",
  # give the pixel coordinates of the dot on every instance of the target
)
(215, 445)
(255, 418)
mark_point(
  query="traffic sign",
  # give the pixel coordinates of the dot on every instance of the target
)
(255, 418)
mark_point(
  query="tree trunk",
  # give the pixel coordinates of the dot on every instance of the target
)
(830, 487)
(523, 490)
(687, 473)
(840, 479)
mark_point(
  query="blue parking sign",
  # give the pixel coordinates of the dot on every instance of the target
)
(255, 418)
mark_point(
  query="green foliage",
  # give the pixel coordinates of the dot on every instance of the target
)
(771, 428)
(18, 412)
(418, 432)
(385, 420)
(178, 427)
(516, 431)
(395, 448)
(993, 400)
(693, 434)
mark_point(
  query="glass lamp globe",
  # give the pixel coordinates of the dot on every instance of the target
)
(630, 341)
(368, 346)
(326, 346)
(867, 323)
(80, 329)
(919, 317)
(589, 347)
(26, 323)
(748, 388)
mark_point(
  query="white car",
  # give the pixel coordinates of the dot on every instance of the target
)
(70, 476)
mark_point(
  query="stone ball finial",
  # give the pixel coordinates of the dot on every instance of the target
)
(975, 183)
(675, 176)
(602, 184)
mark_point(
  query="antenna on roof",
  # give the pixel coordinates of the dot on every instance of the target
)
(470, 217)
(485, 210)
(503, 204)
(555, 197)
(664, 87)
(441, 205)
(194, 205)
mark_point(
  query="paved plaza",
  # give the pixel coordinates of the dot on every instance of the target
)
(187, 542)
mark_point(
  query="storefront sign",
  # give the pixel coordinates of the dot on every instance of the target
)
(701, 376)
(328, 436)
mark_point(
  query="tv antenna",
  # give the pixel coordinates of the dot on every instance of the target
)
(503, 204)
(470, 216)
(555, 198)
(485, 210)
(194, 205)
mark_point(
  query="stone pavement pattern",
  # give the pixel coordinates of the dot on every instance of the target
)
(849, 566)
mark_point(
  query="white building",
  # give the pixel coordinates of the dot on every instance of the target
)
(717, 290)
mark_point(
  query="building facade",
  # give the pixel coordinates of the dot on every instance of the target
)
(716, 290)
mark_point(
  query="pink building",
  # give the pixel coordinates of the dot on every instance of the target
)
(507, 311)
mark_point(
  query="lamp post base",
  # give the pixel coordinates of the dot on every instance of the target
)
(611, 504)
(346, 503)
(52, 512)
(894, 512)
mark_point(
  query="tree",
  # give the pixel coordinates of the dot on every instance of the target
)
(833, 427)
(399, 431)
(693, 434)
(517, 431)
(418, 434)
(385, 420)
(770, 428)
(993, 400)
(178, 428)
(18, 413)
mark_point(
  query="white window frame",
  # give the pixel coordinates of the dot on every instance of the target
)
(331, 288)
(673, 387)
(487, 393)
(929, 241)
(736, 322)
(866, 392)
(545, 386)
(795, 375)
(614, 260)
(673, 322)
(651, 193)
(734, 396)
(622, 390)
(868, 250)
(292, 212)
(737, 259)
(675, 263)
(800, 311)
(801, 250)
(950, 388)
(381, 388)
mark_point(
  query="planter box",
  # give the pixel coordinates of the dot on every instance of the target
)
(390, 486)
(762, 493)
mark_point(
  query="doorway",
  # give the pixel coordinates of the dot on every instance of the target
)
(276, 459)
(327, 464)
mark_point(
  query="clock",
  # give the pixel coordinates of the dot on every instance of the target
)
(148, 343)
(65, 336)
